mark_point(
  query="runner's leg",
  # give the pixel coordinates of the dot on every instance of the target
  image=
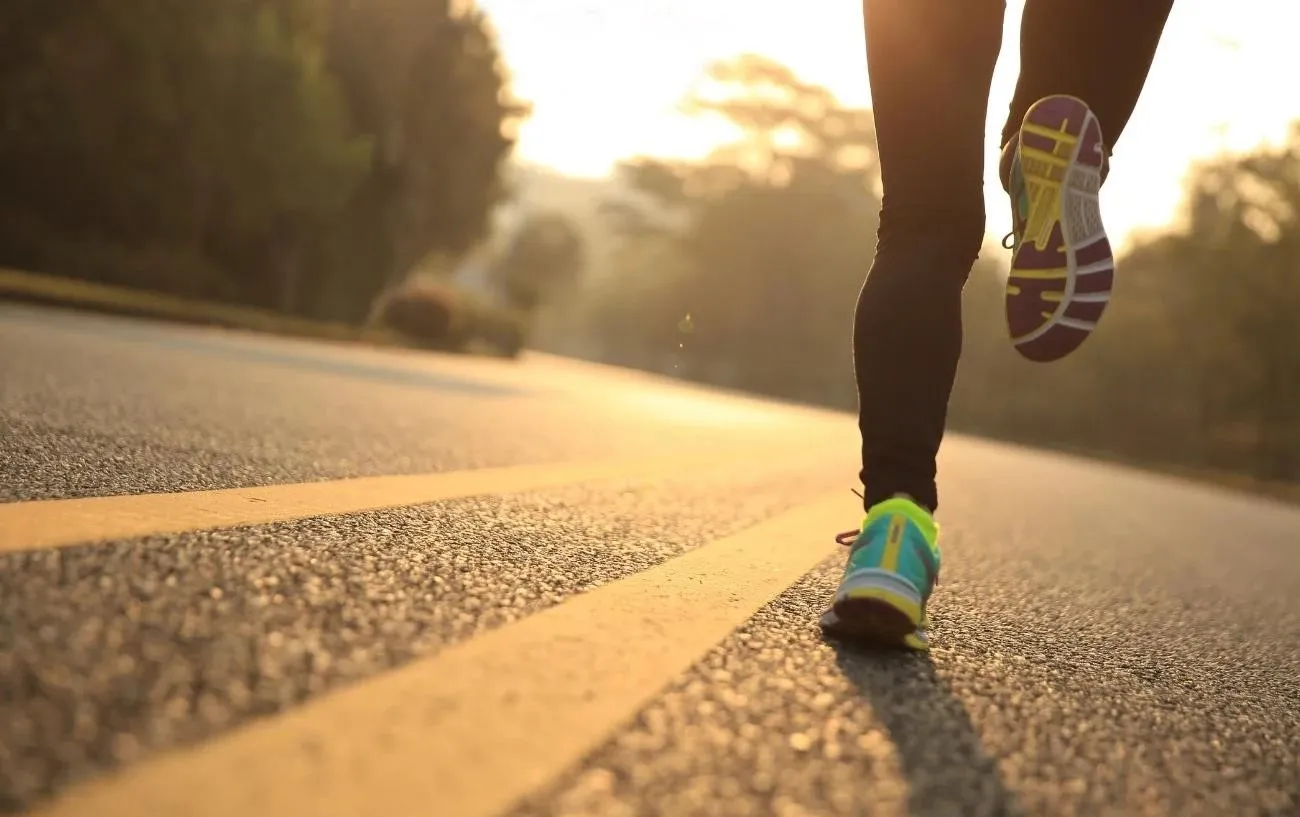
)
(930, 63)
(1083, 66)
(1097, 50)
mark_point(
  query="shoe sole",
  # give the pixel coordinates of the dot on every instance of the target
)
(881, 607)
(1063, 270)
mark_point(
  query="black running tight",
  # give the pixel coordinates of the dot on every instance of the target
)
(931, 63)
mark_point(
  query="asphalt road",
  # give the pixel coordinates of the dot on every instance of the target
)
(1106, 641)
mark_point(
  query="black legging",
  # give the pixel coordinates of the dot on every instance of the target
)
(931, 63)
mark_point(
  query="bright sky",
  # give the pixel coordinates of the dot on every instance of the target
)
(605, 75)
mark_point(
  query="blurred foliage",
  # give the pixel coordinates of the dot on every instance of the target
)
(306, 156)
(743, 269)
(299, 155)
(433, 313)
(717, 254)
(425, 313)
(543, 259)
(1197, 361)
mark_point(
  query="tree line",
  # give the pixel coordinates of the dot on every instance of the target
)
(307, 155)
(297, 155)
(742, 270)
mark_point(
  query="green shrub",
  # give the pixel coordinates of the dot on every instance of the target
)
(428, 314)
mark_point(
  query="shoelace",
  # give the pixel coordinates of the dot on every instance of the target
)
(848, 537)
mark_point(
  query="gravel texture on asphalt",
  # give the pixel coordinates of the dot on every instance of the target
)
(114, 650)
(93, 407)
(1107, 642)
(1043, 696)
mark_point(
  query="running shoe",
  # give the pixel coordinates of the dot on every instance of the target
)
(892, 569)
(1062, 267)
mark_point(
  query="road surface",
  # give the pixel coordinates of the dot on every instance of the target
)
(242, 575)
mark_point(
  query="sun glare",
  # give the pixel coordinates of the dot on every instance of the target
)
(612, 89)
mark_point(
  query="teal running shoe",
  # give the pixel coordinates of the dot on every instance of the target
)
(892, 569)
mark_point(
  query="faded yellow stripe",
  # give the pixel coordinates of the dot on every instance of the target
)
(63, 522)
(471, 730)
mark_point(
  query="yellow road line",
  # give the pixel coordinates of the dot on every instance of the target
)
(63, 522)
(471, 730)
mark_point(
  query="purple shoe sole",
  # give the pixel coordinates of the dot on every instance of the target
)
(1063, 269)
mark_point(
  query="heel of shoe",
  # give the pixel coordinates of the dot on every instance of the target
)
(880, 605)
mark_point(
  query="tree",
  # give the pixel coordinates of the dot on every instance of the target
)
(426, 82)
(1197, 361)
(770, 236)
(742, 270)
(292, 154)
(1238, 264)
(175, 145)
(545, 255)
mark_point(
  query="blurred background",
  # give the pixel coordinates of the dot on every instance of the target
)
(686, 187)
